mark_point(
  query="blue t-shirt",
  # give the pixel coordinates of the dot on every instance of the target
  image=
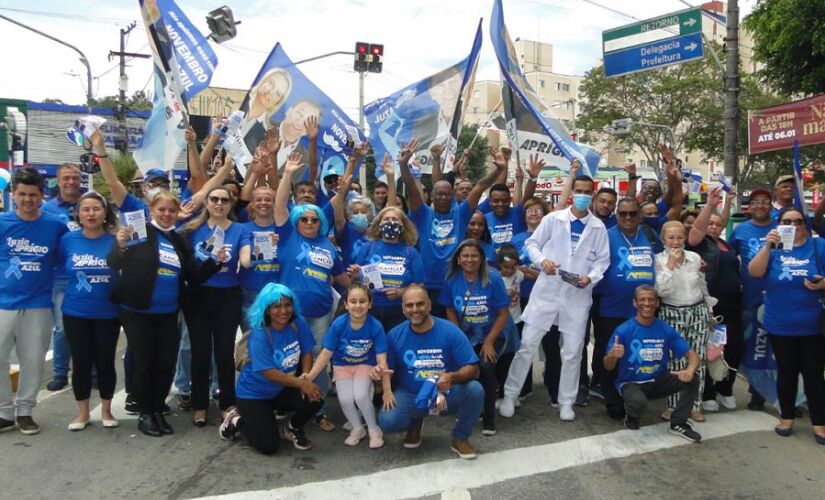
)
(610, 221)
(576, 230)
(440, 235)
(502, 229)
(167, 285)
(790, 308)
(400, 265)
(132, 203)
(234, 235)
(66, 212)
(747, 239)
(417, 356)
(524, 259)
(631, 265)
(646, 350)
(262, 271)
(307, 267)
(91, 279)
(355, 347)
(489, 254)
(28, 258)
(350, 240)
(475, 304)
(271, 349)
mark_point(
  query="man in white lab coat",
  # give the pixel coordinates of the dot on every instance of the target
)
(571, 248)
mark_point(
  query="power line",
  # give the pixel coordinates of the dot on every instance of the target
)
(591, 2)
(76, 17)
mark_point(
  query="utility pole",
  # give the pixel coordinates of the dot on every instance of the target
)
(123, 85)
(362, 175)
(731, 154)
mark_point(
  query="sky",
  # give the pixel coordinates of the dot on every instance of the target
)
(419, 37)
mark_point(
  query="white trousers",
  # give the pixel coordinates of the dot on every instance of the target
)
(571, 345)
(28, 331)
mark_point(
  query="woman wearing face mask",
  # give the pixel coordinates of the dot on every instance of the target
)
(213, 309)
(390, 244)
(152, 277)
(686, 303)
(478, 230)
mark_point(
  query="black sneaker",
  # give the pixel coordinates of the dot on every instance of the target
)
(596, 392)
(686, 431)
(57, 383)
(299, 438)
(27, 425)
(131, 406)
(165, 410)
(631, 423)
(6, 425)
(582, 397)
(756, 403)
(488, 428)
(184, 402)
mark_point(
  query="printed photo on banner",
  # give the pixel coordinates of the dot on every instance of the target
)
(430, 110)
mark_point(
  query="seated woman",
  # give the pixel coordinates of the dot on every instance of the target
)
(279, 347)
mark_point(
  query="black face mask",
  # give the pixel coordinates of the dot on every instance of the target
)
(391, 230)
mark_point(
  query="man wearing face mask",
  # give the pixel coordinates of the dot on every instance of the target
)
(571, 248)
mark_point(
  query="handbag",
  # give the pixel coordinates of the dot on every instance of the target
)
(821, 293)
(717, 367)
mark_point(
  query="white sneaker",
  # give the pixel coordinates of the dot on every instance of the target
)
(728, 402)
(507, 407)
(710, 405)
(566, 413)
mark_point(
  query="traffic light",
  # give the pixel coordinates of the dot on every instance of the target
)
(622, 126)
(89, 163)
(361, 62)
(376, 58)
(221, 24)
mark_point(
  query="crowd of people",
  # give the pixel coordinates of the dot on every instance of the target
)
(431, 303)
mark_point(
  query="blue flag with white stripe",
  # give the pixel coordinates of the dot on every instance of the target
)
(799, 187)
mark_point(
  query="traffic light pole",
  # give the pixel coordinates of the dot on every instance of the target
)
(121, 114)
(731, 154)
(362, 175)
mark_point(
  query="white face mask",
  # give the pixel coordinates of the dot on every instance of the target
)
(164, 229)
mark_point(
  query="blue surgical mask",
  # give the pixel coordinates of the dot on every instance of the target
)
(582, 201)
(360, 221)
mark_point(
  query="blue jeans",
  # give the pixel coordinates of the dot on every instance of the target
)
(319, 327)
(60, 344)
(183, 371)
(465, 400)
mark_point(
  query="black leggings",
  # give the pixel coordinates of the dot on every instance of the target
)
(489, 381)
(153, 340)
(213, 317)
(731, 309)
(257, 423)
(805, 355)
(93, 343)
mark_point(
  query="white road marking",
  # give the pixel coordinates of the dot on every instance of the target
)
(433, 478)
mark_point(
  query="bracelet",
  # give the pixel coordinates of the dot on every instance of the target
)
(533, 179)
(102, 156)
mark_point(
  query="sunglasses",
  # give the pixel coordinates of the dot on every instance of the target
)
(632, 213)
(760, 202)
(795, 222)
(309, 220)
(219, 200)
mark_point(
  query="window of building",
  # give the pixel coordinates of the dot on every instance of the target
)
(565, 87)
(541, 84)
(476, 94)
(643, 163)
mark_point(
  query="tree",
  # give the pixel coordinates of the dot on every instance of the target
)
(685, 98)
(125, 167)
(788, 39)
(477, 161)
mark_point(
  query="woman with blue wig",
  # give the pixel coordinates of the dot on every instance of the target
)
(309, 264)
(279, 349)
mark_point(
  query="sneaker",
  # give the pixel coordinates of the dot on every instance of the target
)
(582, 398)
(488, 429)
(631, 423)
(184, 402)
(131, 406)
(684, 430)
(229, 428)
(376, 439)
(355, 436)
(526, 394)
(57, 383)
(464, 449)
(284, 434)
(413, 438)
(728, 402)
(566, 413)
(280, 416)
(507, 408)
(710, 405)
(27, 425)
(299, 438)
(554, 403)
(596, 392)
(756, 403)
(165, 410)
(6, 425)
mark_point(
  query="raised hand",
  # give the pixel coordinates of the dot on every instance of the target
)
(536, 164)
(436, 150)
(360, 151)
(294, 162)
(407, 152)
(190, 135)
(630, 168)
(272, 140)
(499, 157)
(312, 127)
(617, 351)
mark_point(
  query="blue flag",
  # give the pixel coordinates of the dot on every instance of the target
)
(430, 110)
(799, 187)
(524, 107)
(163, 137)
(282, 96)
(195, 57)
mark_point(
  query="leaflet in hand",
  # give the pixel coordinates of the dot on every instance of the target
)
(371, 275)
(135, 224)
(263, 249)
(215, 242)
(569, 277)
(719, 336)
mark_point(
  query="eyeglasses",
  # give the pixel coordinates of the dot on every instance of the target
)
(309, 220)
(632, 213)
(219, 200)
(795, 222)
(760, 202)
(534, 211)
(331, 179)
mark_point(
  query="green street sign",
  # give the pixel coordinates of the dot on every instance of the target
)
(673, 25)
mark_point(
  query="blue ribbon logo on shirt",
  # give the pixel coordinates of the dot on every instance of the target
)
(14, 268)
(82, 282)
(624, 263)
(753, 246)
(786, 274)
(304, 255)
(410, 358)
(635, 352)
(279, 356)
(376, 259)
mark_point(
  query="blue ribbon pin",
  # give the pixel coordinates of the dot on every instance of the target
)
(786, 274)
(624, 263)
(635, 352)
(14, 268)
(82, 282)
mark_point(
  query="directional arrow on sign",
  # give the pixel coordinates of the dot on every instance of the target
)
(691, 47)
(690, 22)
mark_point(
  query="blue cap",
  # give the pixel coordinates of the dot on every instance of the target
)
(155, 173)
(334, 165)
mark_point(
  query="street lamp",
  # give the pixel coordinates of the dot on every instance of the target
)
(83, 58)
